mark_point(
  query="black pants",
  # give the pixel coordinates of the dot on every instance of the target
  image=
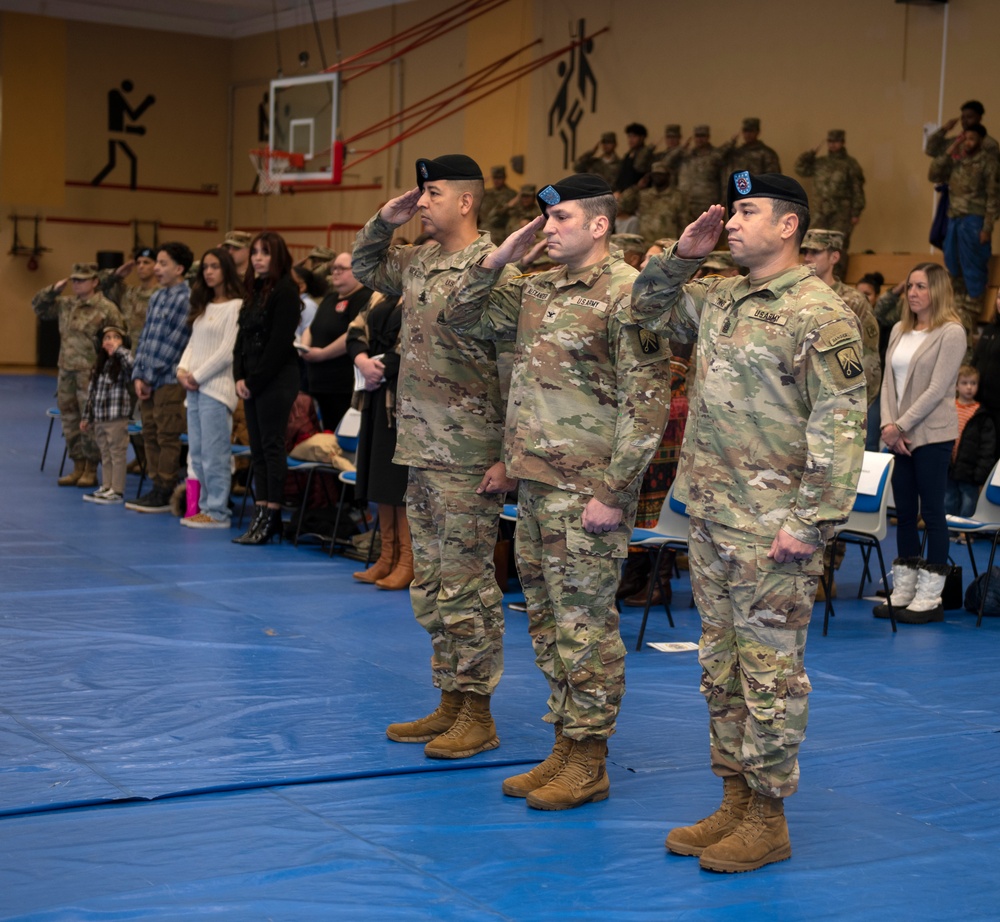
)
(332, 408)
(267, 419)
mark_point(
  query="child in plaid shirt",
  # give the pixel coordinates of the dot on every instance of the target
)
(108, 404)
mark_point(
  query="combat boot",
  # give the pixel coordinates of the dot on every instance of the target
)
(904, 585)
(73, 477)
(693, 840)
(582, 778)
(434, 724)
(89, 476)
(473, 731)
(522, 785)
(761, 838)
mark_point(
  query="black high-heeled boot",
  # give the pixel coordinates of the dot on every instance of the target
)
(260, 515)
(270, 526)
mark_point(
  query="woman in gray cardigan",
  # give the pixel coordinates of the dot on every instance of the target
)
(920, 425)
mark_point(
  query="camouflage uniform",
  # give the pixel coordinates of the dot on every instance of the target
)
(449, 416)
(700, 177)
(79, 323)
(508, 218)
(662, 213)
(595, 163)
(774, 441)
(938, 144)
(590, 396)
(839, 190)
(132, 301)
(756, 157)
(973, 204)
(858, 303)
(492, 200)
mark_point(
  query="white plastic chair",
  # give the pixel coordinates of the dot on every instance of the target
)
(985, 521)
(866, 526)
(669, 534)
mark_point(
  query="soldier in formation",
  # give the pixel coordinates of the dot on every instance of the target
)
(838, 184)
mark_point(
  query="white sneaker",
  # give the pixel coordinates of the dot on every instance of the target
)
(96, 495)
(109, 499)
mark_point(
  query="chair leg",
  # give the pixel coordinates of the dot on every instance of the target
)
(972, 557)
(62, 464)
(828, 613)
(986, 583)
(866, 574)
(653, 578)
(302, 506)
(885, 582)
(48, 437)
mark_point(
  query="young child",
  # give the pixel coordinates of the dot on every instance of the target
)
(107, 411)
(973, 456)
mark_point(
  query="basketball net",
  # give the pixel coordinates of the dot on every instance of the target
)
(271, 166)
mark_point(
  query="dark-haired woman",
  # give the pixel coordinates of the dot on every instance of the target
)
(205, 371)
(266, 370)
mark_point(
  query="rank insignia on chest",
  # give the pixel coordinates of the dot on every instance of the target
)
(550, 315)
(849, 362)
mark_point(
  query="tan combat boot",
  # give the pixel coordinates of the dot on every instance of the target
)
(762, 838)
(390, 547)
(434, 724)
(89, 476)
(402, 574)
(582, 778)
(73, 477)
(473, 731)
(693, 840)
(522, 785)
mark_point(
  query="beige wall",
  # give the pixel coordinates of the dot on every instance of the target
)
(872, 67)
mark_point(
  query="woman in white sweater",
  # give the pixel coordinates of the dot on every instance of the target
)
(206, 372)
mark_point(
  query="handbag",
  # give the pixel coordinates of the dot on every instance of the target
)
(951, 595)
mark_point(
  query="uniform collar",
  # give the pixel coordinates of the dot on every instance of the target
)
(588, 278)
(437, 260)
(776, 287)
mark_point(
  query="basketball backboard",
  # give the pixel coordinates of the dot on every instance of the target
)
(304, 118)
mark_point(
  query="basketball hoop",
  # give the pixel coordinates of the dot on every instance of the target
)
(271, 167)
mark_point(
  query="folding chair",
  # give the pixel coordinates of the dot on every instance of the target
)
(669, 534)
(53, 414)
(866, 526)
(985, 521)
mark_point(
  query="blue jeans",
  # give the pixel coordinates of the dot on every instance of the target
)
(210, 429)
(961, 498)
(964, 256)
(923, 475)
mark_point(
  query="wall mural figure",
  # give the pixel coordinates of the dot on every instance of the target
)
(119, 112)
(572, 98)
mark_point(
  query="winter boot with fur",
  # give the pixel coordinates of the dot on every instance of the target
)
(693, 840)
(926, 605)
(904, 586)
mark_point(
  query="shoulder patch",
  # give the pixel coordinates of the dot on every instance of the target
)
(647, 346)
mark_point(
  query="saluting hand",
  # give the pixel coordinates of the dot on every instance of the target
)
(400, 209)
(515, 246)
(702, 234)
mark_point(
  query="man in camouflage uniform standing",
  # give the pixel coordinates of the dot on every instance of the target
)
(972, 174)
(449, 415)
(662, 207)
(132, 300)
(698, 167)
(753, 154)
(81, 318)
(770, 462)
(822, 250)
(602, 161)
(589, 401)
(514, 213)
(497, 195)
(839, 184)
(971, 114)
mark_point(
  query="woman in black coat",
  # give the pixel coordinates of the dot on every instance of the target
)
(266, 369)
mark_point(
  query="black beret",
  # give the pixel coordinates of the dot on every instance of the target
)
(148, 252)
(744, 185)
(450, 166)
(636, 128)
(577, 186)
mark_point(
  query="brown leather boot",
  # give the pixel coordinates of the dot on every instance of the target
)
(434, 724)
(761, 838)
(73, 477)
(89, 476)
(390, 547)
(402, 574)
(522, 785)
(582, 778)
(473, 731)
(693, 840)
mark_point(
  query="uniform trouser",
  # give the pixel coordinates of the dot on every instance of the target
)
(569, 579)
(71, 398)
(834, 218)
(754, 619)
(112, 440)
(210, 430)
(454, 592)
(163, 421)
